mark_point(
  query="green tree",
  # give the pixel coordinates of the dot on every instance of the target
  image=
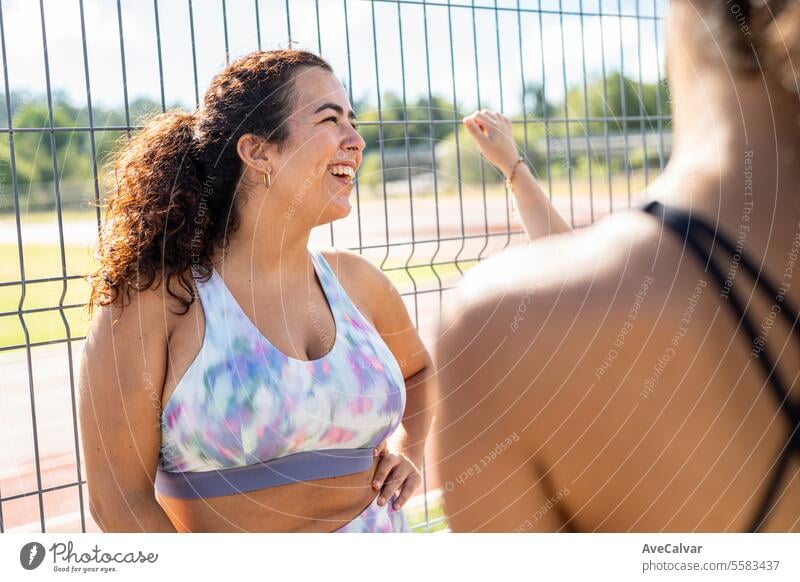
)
(623, 98)
(393, 133)
(34, 149)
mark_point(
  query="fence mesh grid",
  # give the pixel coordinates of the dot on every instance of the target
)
(581, 80)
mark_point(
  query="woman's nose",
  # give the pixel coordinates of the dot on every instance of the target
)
(355, 141)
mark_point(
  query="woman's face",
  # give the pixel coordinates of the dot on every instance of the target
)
(322, 142)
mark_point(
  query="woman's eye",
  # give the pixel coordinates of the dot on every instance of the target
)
(335, 120)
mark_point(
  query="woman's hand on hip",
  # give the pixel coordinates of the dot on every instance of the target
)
(395, 473)
(493, 134)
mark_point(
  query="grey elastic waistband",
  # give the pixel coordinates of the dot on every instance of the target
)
(305, 466)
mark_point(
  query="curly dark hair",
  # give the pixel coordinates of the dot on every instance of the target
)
(172, 200)
(759, 35)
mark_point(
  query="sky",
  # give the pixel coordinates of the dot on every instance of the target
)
(537, 43)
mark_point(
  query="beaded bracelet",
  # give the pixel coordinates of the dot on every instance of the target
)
(513, 171)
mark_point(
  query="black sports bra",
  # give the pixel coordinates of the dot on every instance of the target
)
(695, 232)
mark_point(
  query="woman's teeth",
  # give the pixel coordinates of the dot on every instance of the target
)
(341, 171)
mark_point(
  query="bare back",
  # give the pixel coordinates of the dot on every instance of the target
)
(627, 382)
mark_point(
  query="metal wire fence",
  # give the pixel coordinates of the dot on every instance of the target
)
(580, 79)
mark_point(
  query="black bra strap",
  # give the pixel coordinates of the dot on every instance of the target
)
(689, 228)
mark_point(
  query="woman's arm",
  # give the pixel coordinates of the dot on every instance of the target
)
(492, 132)
(122, 375)
(418, 414)
(396, 329)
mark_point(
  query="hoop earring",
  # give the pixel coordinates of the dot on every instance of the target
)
(268, 180)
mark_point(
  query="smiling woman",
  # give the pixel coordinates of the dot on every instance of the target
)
(276, 392)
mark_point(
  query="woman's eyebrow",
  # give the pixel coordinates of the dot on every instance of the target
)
(336, 108)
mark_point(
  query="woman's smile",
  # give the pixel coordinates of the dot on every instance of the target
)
(346, 180)
(344, 173)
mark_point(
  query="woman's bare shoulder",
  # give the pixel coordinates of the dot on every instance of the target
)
(133, 312)
(354, 270)
(364, 281)
(547, 313)
(565, 298)
(566, 266)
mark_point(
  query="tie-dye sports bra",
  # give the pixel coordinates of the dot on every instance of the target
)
(245, 416)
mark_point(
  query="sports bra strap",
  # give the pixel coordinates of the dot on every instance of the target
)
(690, 228)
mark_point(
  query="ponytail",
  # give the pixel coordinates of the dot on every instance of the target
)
(154, 215)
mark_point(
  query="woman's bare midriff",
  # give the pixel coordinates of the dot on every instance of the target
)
(323, 505)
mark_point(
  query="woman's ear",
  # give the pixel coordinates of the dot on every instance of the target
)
(253, 152)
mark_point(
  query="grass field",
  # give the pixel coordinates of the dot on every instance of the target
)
(9, 220)
(416, 516)
(42, 261)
